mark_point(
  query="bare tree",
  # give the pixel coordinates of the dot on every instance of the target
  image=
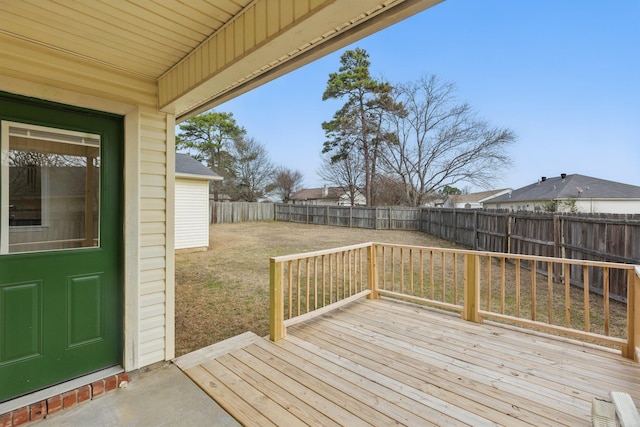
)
(346, 173)
(440, 142)
(252, 169)
(286, 182)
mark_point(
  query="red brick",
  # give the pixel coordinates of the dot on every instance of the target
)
(97, 388)
(5, 420)
(123, 377)
(69, 399)
(111, 383)
(84, 393)
(54, 404)
(38, 410)
(21, 416)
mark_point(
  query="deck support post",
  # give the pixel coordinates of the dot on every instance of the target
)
(277, 330)
(471, 288)
(632, 349)
(372, 271)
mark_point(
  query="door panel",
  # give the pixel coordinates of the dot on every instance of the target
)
(60, 244)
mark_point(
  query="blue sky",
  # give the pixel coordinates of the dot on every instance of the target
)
(564, 75)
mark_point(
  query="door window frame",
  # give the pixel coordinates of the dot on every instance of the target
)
(45, 133)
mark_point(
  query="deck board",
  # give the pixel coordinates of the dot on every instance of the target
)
(383, 362)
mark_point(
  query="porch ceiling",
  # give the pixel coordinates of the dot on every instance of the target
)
(199, 52)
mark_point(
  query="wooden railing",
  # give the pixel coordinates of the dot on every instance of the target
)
(527, 291)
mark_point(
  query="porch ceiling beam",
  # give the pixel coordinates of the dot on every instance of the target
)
(269, 39)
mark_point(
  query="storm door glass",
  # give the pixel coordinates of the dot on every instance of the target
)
(50, 189)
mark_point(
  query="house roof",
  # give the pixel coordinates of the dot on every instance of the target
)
(571, 187)
(197, 54)
(475, 197)
(187, 165)
(333, 193)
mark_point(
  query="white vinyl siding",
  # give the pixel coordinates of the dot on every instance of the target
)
(192, 213)
(154, 281)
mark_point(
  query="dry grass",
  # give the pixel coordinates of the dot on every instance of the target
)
(224, 291)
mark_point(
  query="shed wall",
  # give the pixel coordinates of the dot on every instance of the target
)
(192, 213)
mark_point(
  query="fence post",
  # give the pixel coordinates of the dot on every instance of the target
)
(276, 301)
(307, 214)
(471, 288)
(632, 349)
(372, 271)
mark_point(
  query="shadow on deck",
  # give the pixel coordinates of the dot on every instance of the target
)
(383, 362)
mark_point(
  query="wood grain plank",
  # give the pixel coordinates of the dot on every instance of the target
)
(270, 409)
(242, 411)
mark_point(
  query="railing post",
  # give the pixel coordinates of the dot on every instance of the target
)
(632, 350)
(276, 301)
(471, 288)
(372, 271)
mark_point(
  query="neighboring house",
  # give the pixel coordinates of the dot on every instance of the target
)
(571, 193)
(192, 203)
(100, 86)
(435, 200)
(327, 196)
(472, 200)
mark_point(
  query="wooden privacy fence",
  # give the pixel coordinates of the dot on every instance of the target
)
(515, 289)
(379, 218)
(231, 212)
(596, 237)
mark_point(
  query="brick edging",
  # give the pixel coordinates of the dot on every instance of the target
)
(40, 410)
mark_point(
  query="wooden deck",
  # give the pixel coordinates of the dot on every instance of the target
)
(382, 362)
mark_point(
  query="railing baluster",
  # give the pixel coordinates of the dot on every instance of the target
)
(411, 271)
(290, 288)
(533, 290)
(503, 284)
(315, 282)
(489, 283)
(298, 283)
(567, 294)
(442, 296)
(585, 285)
(421, 273)
(307, 291)
(518, 287)
(393, 263)
(384, 270)
(605, 292)
(330, 280)
(455, 278)
(550, 291)
(431, 274)
(401, 270)
(344, 275)
(324, 282)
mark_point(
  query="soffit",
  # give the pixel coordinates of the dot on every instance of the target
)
(141, 37)
(199, 53)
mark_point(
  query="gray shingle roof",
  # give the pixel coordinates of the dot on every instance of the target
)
(185, 164)
(571, 187)
(318, 193)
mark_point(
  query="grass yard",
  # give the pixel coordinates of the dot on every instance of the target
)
(224, 291)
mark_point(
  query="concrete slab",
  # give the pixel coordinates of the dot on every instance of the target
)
(159, 396)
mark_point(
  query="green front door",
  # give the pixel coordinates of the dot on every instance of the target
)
(60, 243)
